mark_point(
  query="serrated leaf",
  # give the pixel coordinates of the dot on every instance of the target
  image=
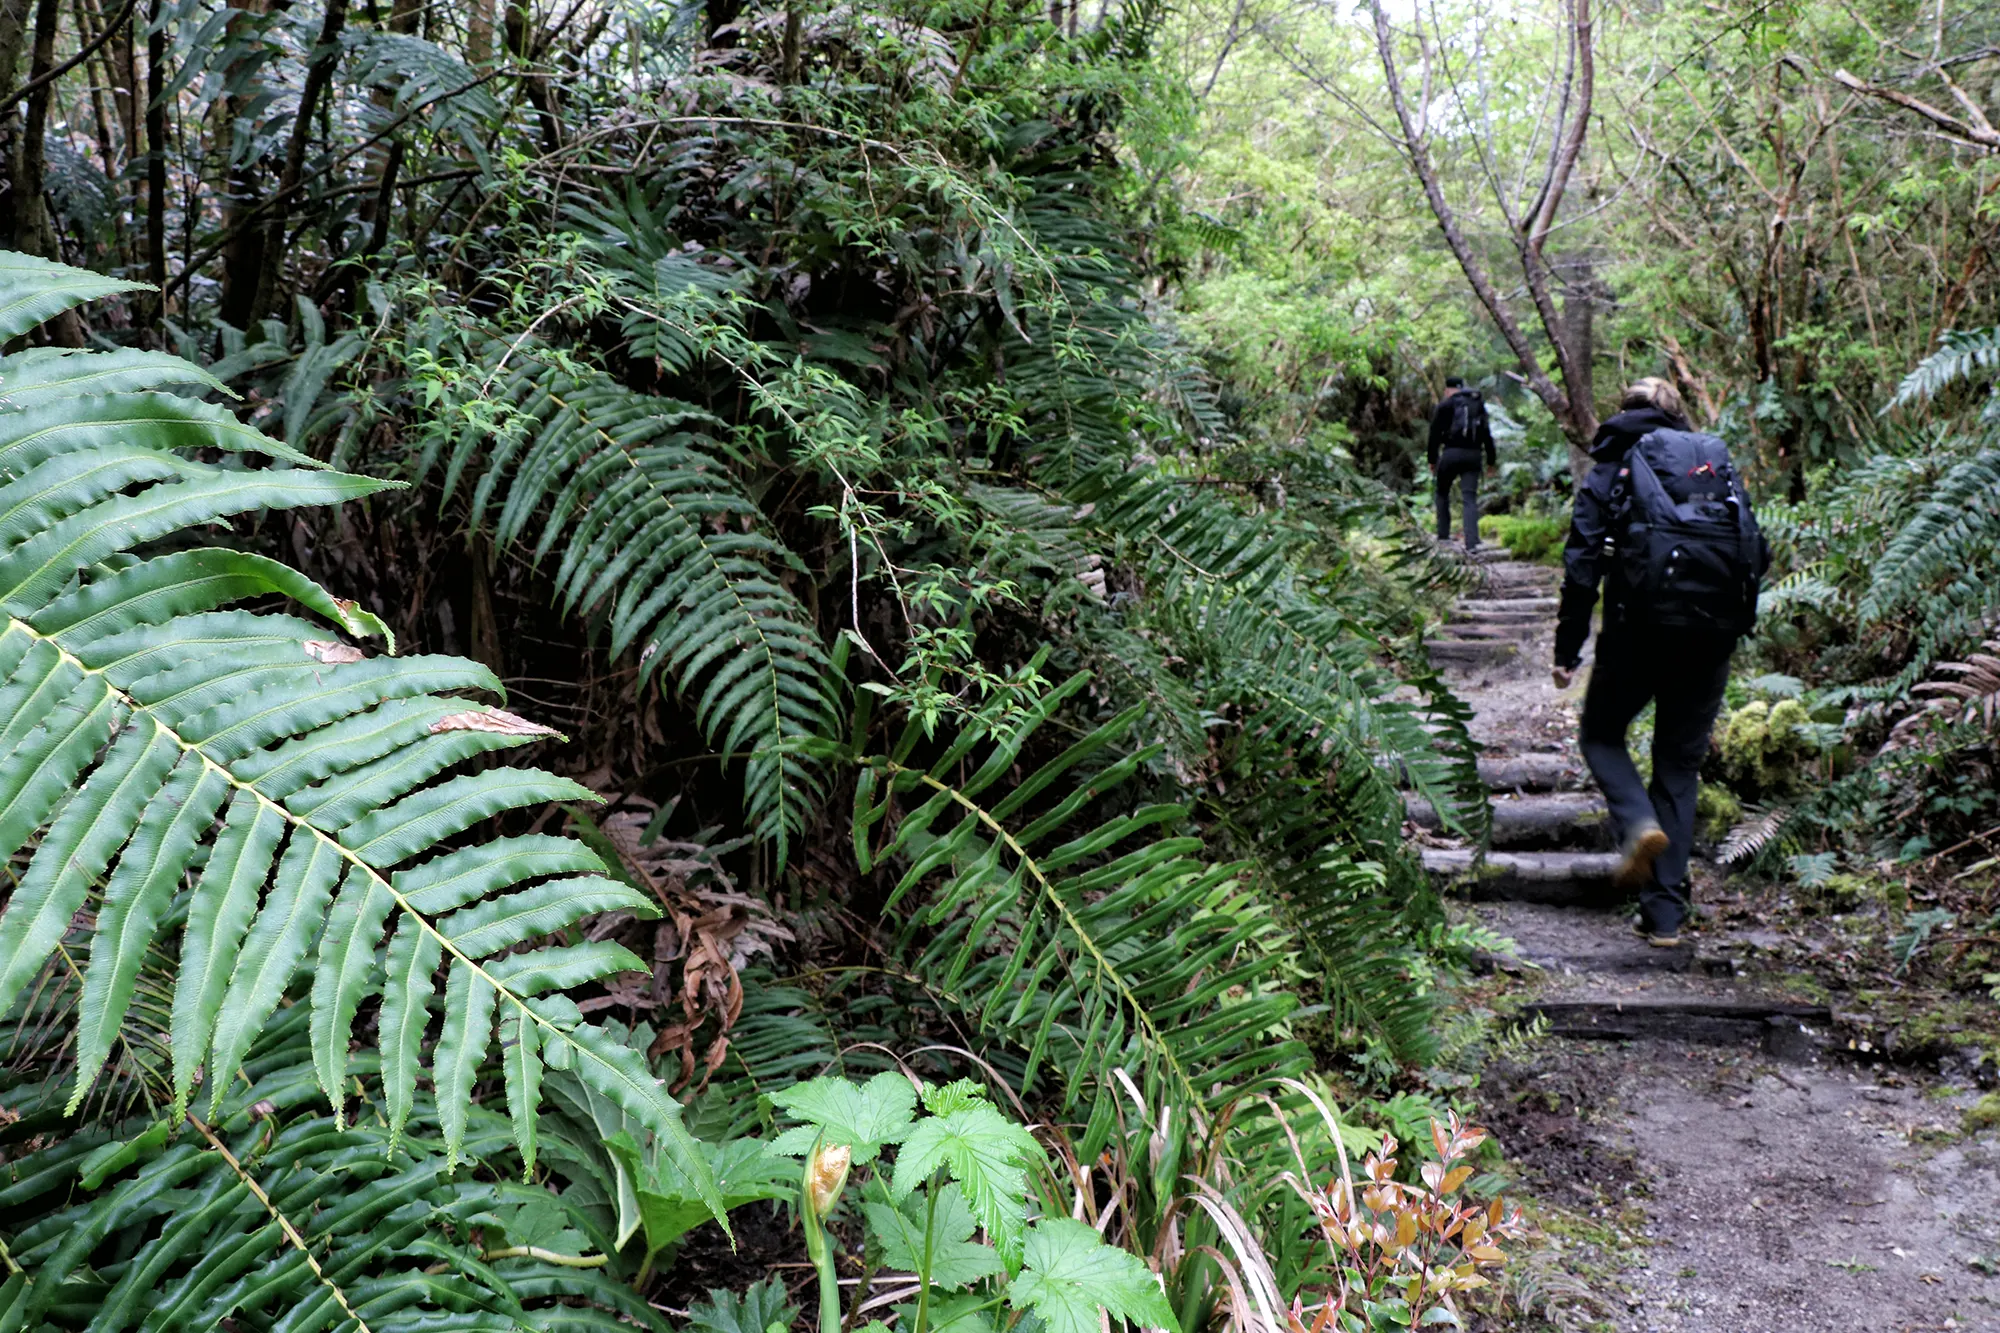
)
(864, 1117)
(987, 1154)
(955, 1260)
(344, 974)
(462, 1047)
(1069, 1274)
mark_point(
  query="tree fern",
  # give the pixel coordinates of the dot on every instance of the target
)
(143, 724)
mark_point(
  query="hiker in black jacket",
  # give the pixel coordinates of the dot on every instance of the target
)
(1669, 644)
(1459, 433)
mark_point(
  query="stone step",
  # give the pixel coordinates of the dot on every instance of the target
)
(1540, 606)
(1507, 613)
(1472, 652)
(1565, 879)
(1532, 772)
(1777, 1025)
(1535, 823)
(1513, 632)
(1517, 592)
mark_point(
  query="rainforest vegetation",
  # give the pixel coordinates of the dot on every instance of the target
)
(725, 665)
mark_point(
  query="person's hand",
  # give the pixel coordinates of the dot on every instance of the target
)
(1563, 676)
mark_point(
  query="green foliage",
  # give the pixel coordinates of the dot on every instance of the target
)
(1086, 929)
(1526, 536)
(274, 1215)
(146, 726)
(960, 1167)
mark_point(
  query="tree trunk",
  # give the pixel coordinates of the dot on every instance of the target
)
(319, 73)
(156, 161)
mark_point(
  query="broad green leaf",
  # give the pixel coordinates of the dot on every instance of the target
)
(34, 290)
(501, 923)
(563, 967)
(406, 998)
(1069, 1274)
(616, 1070)
(421, 820)
(149, 870)
(345, 972)
(457, 878)
(955, 1259)
(88, 832)
(521, 1067)
(461, 1049)
(987, 1154)
(36, 375)
(864, 1117)
(154, 591)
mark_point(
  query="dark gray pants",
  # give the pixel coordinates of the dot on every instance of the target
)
(1465, 468)
(1682, 673)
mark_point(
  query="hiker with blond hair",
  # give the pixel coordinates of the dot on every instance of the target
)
(1663, 523)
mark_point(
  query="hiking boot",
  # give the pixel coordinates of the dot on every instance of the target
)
(1641, 850)
(1659, 939)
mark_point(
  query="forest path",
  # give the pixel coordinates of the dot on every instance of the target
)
(1711, 1165)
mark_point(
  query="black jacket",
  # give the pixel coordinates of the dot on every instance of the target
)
(1482, 430)
(1584, 565)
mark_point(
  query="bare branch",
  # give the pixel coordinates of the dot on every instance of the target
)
(1982, 136)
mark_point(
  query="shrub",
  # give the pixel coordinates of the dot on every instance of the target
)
(1526, 536)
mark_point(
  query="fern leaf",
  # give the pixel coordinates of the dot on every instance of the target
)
(651, 529)
(33, 290)
(1959, 357)
(144, 717)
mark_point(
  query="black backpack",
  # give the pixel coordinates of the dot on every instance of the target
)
(1468, 412)
(1687, 540)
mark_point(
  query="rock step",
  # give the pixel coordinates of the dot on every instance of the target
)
(1515, 592)
(1507, 614)
(1532, 772)
(1774, 1024)
(1523, 605)
(1564, 879)
(1472, 652)
(1535, 823)
(1512, 631)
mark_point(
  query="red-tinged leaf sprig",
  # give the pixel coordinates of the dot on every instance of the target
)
(1402, 1254)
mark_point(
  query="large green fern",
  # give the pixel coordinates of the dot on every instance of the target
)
(635, 502)
(273, 1216)
(1093, 938)
(254, 779)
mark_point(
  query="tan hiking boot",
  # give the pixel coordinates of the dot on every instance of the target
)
(1642, 849)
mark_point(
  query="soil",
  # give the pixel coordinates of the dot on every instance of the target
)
(1725, 1163)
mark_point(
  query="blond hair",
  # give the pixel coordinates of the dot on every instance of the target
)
(1653, 392)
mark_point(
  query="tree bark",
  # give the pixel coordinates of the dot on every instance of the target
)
(156, 162)
(1571, 403)
(319, 73)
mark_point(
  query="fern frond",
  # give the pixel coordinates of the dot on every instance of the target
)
(1947, 547)
(1960, 357)
(276, 1218)
(142, 721)
(1094, 945)
(1753, 835)
(650, 531)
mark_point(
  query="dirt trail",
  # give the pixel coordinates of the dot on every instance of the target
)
(1710, 1158)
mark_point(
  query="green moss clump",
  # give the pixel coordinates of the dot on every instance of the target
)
(1526, 536)
(1768, 747)
(1983, 1114)
(1716, 811)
